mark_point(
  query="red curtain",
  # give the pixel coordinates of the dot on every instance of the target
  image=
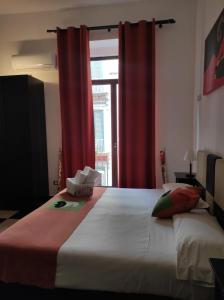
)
(78, 148)
(136, 152)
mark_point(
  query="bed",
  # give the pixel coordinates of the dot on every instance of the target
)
(110, 243)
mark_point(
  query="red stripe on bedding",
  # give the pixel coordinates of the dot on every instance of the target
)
(28, 249)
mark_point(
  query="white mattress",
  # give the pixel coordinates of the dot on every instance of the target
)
(119, 247)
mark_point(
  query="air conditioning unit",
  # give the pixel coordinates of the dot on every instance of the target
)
(34, 61)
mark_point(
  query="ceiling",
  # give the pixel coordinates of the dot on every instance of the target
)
(28, 6)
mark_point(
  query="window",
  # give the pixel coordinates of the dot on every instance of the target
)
(104, 69)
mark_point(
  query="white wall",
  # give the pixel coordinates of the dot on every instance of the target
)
(209, 111)
(174, 71)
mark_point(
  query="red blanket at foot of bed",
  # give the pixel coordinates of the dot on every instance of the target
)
(28, 249)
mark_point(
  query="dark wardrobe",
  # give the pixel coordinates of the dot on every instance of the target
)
(23, 149)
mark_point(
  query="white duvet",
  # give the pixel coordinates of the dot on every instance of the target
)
(119, 247)
(198, 237)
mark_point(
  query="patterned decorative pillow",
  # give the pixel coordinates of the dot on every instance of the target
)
(178, 201)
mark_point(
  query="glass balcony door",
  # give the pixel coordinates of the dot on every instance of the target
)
(104, 73)
(105, 125)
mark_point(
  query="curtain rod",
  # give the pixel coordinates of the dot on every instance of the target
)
(109, 27)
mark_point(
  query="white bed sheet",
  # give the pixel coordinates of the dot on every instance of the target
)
(119, 247)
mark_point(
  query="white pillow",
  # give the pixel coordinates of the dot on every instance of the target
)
(171, 186)
(198, 237)
(202, 204)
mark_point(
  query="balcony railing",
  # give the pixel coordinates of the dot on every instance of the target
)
(99, 145)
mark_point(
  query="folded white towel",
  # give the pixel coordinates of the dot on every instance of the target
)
(80, 177)
(83, 182)
(86, 170)
(93, 176)
(76, 189)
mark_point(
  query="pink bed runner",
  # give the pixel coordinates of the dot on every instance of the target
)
(28, 249)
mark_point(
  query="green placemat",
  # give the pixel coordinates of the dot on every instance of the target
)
(61, 204)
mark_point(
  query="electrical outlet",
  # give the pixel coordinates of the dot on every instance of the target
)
(55, 182)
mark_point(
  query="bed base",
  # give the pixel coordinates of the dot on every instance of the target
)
(12, 290)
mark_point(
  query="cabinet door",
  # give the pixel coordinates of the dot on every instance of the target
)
(38, 138)
(16, 135)
(2, 141)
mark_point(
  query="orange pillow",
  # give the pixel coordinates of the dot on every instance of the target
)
(177, 201)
